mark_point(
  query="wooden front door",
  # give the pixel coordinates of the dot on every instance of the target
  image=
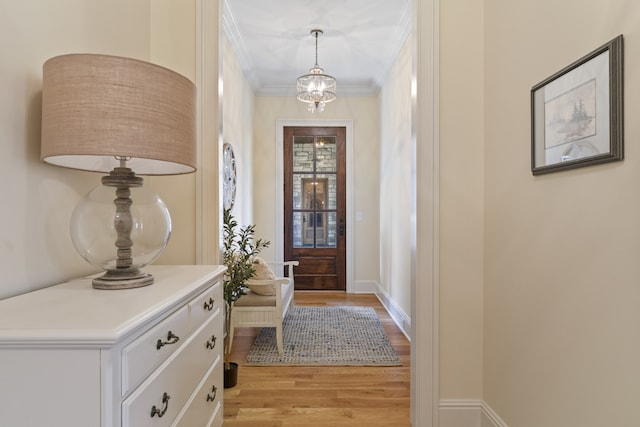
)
(315, 205)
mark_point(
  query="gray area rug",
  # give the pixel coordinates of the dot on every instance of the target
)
(326, 336)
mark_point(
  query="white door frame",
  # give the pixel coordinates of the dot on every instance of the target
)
(425, 325)
(279, 185)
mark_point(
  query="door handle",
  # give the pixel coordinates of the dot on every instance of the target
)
(341, 227)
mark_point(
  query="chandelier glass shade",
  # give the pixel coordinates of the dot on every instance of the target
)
(316, 88)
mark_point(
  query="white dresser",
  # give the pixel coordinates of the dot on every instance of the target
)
(74, 356)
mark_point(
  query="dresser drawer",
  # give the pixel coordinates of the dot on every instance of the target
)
(169, 388)
(148, 351)
(206, 402)
(204, 305)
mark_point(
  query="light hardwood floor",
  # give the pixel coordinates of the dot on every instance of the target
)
(320, 396)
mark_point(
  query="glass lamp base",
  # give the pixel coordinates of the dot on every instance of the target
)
(121, 235)
(123, 279)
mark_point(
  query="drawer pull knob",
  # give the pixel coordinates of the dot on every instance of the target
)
(171, 339)
(208, 305)
(214, 390)
(165, 402)
(211, 342)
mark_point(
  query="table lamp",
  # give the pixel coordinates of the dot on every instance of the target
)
(118, 115)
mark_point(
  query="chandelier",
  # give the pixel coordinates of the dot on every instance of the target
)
(316, 88)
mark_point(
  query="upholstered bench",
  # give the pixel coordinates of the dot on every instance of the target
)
(266, 303)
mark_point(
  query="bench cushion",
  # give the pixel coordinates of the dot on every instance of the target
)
(252, 299)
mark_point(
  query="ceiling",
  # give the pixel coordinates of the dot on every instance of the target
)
(361, 40)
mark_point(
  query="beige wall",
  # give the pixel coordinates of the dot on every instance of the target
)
(561, 336)
(35, 246)
(238, 105)
(173, 44)
(395, 175)
(365, 115)
(461, 198)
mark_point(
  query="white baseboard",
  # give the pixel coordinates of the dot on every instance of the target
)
(397, 313)
(401, 319)
(365, 287)
(460, 413)
(490, 418)
(467, 413)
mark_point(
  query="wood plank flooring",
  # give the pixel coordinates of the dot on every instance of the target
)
(320, 396)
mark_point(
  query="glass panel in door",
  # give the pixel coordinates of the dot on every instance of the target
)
(314, 191)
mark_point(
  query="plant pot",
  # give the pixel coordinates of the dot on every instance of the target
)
(230, 375)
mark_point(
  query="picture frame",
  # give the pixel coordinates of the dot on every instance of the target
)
(577, 113)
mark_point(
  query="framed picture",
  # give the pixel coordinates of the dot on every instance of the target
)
(576, 114)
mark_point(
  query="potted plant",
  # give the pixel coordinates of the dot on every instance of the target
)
(239, 251)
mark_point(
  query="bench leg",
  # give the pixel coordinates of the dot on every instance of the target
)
(279, 339)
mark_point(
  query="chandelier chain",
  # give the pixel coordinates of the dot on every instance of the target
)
(316, 48)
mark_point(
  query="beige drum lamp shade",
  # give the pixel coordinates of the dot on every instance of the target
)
(98, 107)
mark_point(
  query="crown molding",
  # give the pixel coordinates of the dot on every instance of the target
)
(234, 37)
